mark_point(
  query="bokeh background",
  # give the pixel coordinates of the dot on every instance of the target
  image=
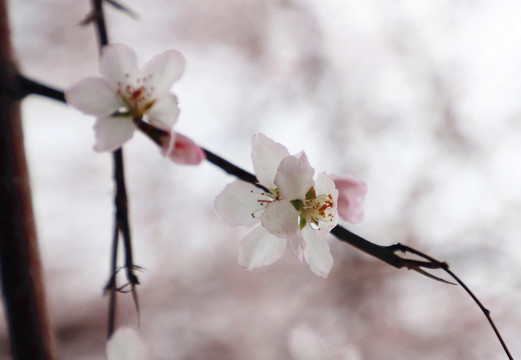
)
(419, 99)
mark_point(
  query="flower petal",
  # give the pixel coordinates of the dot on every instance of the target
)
(294, 177)
(317, 252)
(266, 156)
(238, 204)
(297, 245)
(260, 248)
(162, 70)
(164, 113)
(126, 344)
(350, 197)
(118, 64)
(112, 132)
(324, 185)
(280, 218)
(186, 151)
(93, 96)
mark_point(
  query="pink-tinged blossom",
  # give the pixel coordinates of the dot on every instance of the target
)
(291, 205)
(351, 193)
(126, 344)
(125, 94)
(181, 149)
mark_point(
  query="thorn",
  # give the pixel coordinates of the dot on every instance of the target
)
(89, 18)
(136, 304)
(425, 273)
(123, 8)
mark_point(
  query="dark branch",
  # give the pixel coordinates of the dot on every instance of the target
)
(99, 20)
(383, 253)
(122, 215)
(155, 134)
(27, 86)
(386, 254)
(231, 168)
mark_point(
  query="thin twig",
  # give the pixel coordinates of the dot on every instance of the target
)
(445, 267)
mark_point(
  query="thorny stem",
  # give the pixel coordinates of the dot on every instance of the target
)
(386, 254)
(120, 197)
(122, 215)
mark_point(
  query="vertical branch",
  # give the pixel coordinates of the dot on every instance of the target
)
(99, 18)
(31, 335)
(122, 215)
(121, 222)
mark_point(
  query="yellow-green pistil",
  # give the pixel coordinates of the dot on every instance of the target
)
(313, 209)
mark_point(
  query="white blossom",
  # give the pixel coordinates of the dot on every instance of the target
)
(289, 205)
(125, 93)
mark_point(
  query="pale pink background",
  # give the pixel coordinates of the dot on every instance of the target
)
(419, 99)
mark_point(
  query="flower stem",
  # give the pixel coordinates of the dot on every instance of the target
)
(231, 168)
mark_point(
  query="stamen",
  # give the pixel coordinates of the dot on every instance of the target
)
(264, 202)
(317, 209)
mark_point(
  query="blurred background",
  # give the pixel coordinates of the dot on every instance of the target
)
(419, 99)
